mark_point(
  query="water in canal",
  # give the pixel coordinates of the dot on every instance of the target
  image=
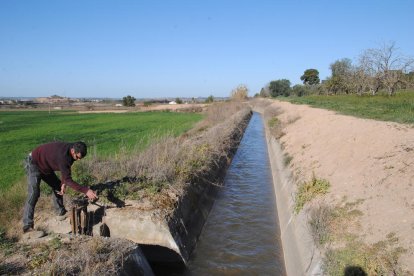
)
(241, 235)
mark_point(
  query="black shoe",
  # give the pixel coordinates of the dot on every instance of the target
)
(27, 228)
(62, 212)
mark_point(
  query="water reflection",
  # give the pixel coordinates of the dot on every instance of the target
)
(241, 235)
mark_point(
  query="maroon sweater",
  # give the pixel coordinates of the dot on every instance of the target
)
(56, 156)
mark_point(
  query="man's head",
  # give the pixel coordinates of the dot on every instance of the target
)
(78, 150)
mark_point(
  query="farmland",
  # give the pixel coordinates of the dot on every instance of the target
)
(106, 134)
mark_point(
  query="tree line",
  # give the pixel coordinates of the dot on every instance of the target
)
(378, 69)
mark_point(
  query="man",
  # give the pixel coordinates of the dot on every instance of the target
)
(41, 164)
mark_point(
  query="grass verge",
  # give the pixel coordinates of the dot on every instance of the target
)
(398, 108)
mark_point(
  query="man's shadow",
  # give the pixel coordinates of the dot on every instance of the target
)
(109, 188)
(354, 271)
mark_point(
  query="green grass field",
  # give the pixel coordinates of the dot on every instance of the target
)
(21, 131)
(398, 108)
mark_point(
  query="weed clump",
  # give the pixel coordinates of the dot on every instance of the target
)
(380, 258)
(275, 127)
(309, 190)
(329, 224)
(333, 229)
(287, 159)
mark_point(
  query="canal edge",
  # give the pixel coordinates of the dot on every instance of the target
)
(301, 256)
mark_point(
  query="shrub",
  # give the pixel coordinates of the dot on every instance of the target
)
(279, 88)
(239, 93)
(209, 99)
(300, 90)
(128, 101)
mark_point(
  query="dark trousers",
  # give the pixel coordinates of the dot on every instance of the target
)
(33, 191)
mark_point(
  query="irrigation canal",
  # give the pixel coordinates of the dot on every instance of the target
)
(241, 235)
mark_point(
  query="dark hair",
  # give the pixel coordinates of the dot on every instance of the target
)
(80, 147)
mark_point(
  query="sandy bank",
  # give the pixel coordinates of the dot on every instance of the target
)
(364, 160)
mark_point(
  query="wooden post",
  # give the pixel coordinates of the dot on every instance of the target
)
(79, 216)
(73, 220)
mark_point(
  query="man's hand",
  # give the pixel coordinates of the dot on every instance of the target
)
(91, 195)
(62, 190)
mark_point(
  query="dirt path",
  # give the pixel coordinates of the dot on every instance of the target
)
(364, 160)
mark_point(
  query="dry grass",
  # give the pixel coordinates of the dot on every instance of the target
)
(169, 163)
(380, 258)
(333, 230)
(82, 255)
(11, 208)
(328, 224)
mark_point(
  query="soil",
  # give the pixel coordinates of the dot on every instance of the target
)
(141, 108)
(364, 160)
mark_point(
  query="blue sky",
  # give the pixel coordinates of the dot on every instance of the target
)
(184, 48)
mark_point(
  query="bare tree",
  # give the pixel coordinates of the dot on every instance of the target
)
(369, 74)
(265, 92)
(385, 66)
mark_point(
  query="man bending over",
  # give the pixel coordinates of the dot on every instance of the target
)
(41, 164)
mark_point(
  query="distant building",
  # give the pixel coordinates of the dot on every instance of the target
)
(172, 102)
(53, 99)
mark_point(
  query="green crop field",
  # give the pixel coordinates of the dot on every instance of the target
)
(105, 134)
(398, 108)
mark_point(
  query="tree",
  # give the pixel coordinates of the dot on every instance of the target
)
(386, 65)
(362, 82)
(209, 99)
(341, 79)
(178, 101)
(128, 101)
(279, 88)
(310, 77)
(264, 92)
(300, 90)
(239, 93)
(368, 77)
(409, 79)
